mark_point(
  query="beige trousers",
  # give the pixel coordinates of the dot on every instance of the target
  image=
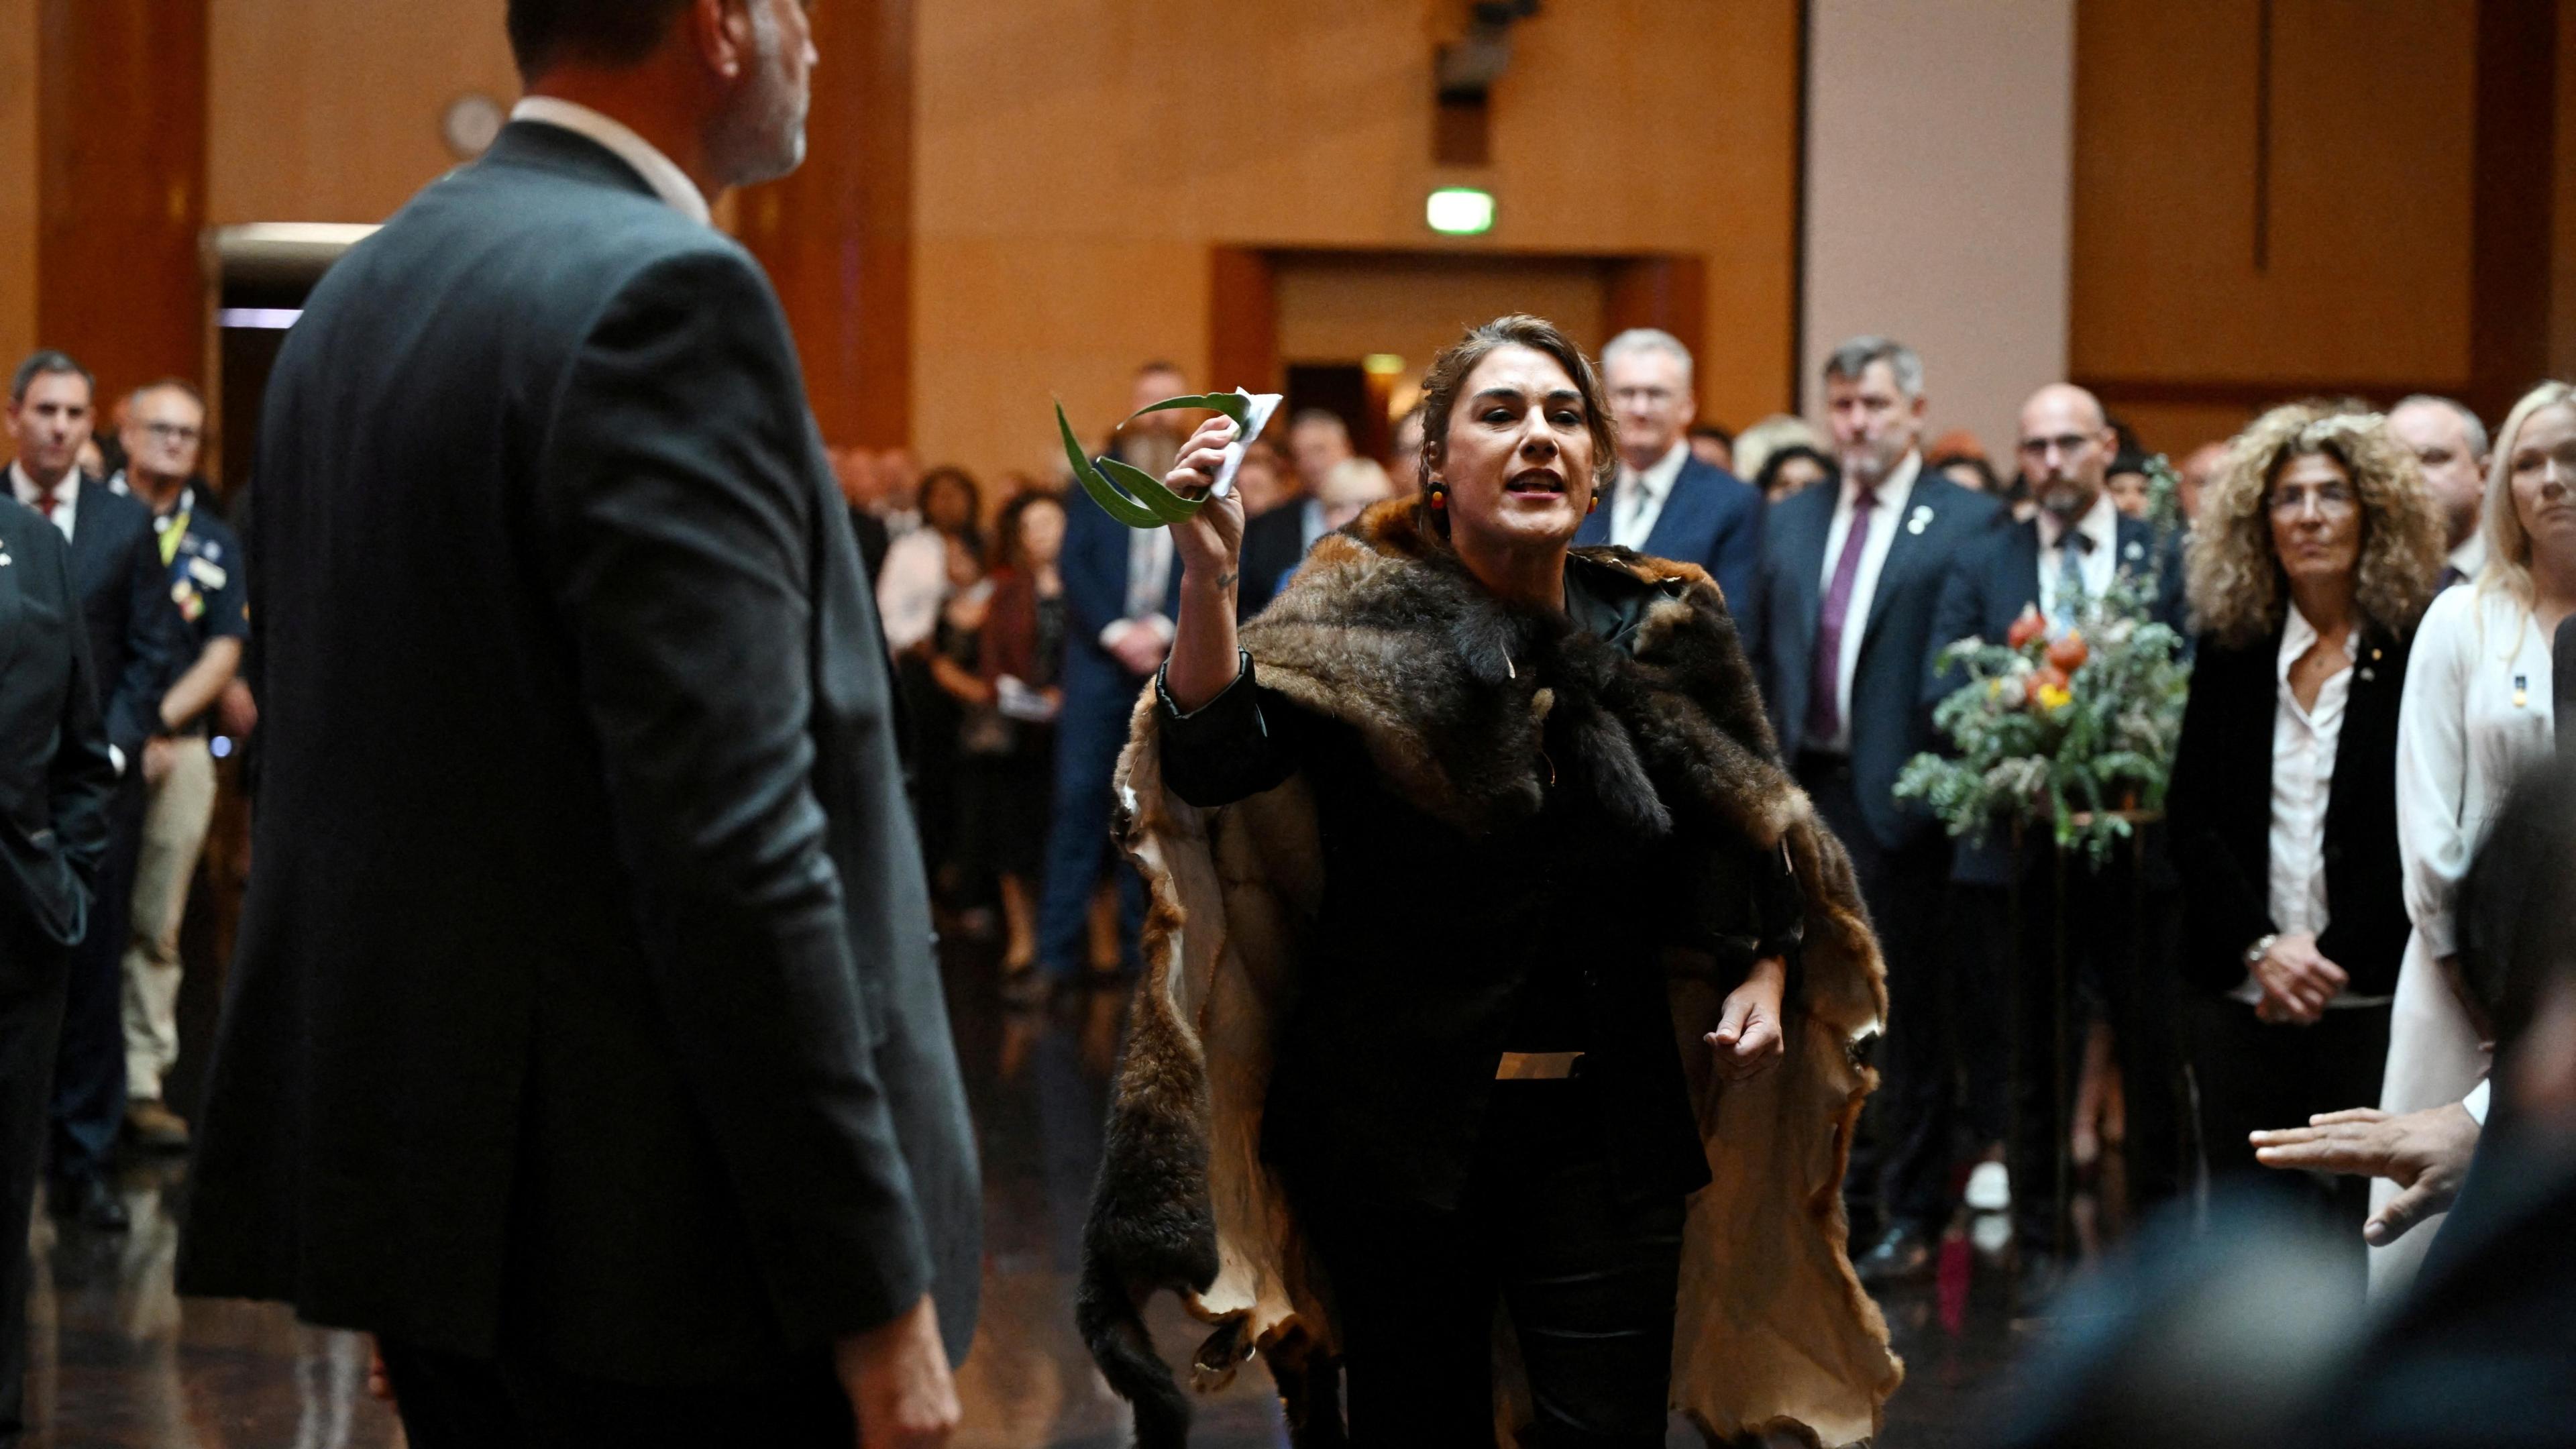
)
(174, 835)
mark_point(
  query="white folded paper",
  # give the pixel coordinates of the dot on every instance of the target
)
(1257, 417)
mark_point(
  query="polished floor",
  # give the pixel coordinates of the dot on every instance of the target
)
(119, 1360)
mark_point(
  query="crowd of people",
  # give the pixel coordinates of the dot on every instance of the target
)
(2239, 970)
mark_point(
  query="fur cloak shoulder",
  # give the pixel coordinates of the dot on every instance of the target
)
(1773, 1333)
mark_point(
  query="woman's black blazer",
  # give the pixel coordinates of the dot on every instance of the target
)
(2220, 806)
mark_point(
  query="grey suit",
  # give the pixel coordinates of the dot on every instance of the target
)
(586, 1010)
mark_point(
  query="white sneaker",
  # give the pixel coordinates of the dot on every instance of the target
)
(1989, 1188)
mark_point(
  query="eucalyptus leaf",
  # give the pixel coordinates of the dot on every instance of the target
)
(1112, 502)
(1234, 405)
(1168, 507)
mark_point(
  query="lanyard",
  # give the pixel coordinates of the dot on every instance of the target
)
(174, 529)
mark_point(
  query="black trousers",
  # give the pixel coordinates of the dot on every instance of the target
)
(89, 1067)
(1902, 1157)
(2119, 940)
(1590, 1280)
(2253, 1075)
(32, 975)
(449, 1401)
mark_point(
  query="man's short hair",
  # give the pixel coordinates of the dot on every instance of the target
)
(47, 363)
(548, 33)
(1646, 339)
(2469, 423)
(1319, 417)
(1852, 360)
(179, 385)
(1159, 365)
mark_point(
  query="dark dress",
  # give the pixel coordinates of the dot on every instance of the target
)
(1429, 1187)
(1009, 764)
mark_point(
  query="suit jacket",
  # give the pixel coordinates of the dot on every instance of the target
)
(55, 774)
(1987, 587)
(1713, 519)
(1273, 545)
(1098, 690)
(2220, 812)
(1889, 722)
(137, 642)
(2562, 679)
(586, 981)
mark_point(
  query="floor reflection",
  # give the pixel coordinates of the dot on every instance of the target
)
(118, 1360)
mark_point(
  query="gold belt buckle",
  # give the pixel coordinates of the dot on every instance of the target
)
(1537, 1066)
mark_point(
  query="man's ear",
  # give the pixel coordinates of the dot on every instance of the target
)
(720, 33)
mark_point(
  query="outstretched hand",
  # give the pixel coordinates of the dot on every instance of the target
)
(1210, 544)
(2425, 1153)
(1748, 1038)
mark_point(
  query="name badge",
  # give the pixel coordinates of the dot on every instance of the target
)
(206, 573)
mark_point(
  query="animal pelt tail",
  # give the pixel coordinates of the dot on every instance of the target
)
(1150, 1226)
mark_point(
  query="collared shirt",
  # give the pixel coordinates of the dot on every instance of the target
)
(66, 495)
(1883, 517)
(2096, 566)
(2470, 556)
(2304, 739)
(1149, 579)
(1639, 500)
(668, 181)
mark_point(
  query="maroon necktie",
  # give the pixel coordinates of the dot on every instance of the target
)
(45, 502)
(1824, 689)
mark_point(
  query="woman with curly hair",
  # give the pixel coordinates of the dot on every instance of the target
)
(1494, 1041)
(2478, 714)
(2316, 551)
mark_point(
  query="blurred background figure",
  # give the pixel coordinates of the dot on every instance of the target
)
(2128, 484)
(2314, 556)
(1666, 502)
(1713, 445)
(2477, 713)
(1404, 453)
(1276, 539)
(926, 571)
(1754, 445)
(1793, 469)
(208, 580)
(1013, 695)
(2450, 444)
(1317, 440)
(2192, 478)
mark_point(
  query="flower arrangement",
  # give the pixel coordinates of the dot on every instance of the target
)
(2072, 732)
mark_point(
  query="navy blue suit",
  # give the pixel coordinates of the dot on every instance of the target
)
(2120, 934)
(1900, 857)
(55, 786)
(139, 645)
(1711, 518)
(1099, 695)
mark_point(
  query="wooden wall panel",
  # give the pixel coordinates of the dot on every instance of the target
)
(19, 173)
(2562, 251)
(1340, 308)
(2515, 166)
(323, 110)
(2364, 203)
(121, 132)
(836, 236)
(1078, 160)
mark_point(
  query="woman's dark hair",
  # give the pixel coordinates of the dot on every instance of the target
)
(1974, 464)
(1008, 552)
(959, 478)
(547, 33)
(1768, 478)
(1451, 369)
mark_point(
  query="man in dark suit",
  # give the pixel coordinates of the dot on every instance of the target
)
(2073, 549)
(585, 1039)
(135, 643)
(1276, 541)
(1850, 577)
(1666, 503)
(56, 785)
(1121, 594)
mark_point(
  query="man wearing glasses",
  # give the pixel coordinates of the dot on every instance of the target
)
(202, 559)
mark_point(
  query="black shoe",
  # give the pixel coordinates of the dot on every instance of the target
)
(90, 1202)
(1902, 1256)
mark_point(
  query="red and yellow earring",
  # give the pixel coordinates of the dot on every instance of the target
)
(1595, 505)
(1437, 500)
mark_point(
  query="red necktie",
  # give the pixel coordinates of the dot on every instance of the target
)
(45, 504)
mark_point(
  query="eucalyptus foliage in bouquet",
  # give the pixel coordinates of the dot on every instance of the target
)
(2063, 734)
(1137, 498)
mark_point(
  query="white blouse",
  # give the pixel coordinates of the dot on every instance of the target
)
(2476, 716)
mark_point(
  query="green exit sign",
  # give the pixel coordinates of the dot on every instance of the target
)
(1459, 211)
